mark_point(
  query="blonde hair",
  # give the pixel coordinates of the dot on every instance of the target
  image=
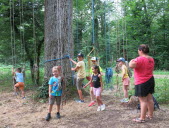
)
(58, 68)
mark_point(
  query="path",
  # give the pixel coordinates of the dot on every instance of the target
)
(18, 113)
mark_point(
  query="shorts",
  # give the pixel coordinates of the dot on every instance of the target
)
(55, 98)
(20, 85)
(79, 83)
(142, 90)
(97, 91)
(126, 81)
(89, 78)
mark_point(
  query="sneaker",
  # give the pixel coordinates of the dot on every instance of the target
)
(80, 101)
(99, 108)
(102, 107)
(91, 103)
(58, 115)
(125, 100)
(23, 97)
(48, 117)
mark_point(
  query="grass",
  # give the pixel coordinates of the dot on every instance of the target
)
(161, 88)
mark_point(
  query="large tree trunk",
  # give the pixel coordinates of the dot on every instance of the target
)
(58, 35)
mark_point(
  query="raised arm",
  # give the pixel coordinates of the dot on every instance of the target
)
(73, 61)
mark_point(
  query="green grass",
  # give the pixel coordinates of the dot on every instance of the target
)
(161, 87)
(160, 72)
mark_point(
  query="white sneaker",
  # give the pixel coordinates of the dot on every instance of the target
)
(99, 108)
(103, 107)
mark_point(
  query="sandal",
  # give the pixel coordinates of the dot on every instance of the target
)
(138, 120)
(149, 117)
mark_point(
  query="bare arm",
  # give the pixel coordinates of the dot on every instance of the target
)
(13, 72)
(132, 64)
(73, 61)
(101, 82)
(88, 83)
(50, 90)
(76, 68)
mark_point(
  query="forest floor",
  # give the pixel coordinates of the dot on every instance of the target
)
(27, 113)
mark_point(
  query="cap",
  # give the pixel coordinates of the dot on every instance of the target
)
(121, 59)
(94, 58)
(80, 55)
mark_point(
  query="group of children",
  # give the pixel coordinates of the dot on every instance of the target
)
(95, 82)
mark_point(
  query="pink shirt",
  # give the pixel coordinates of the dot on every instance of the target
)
(143, 70)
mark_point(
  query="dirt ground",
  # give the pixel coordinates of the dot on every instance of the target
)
(26, 113)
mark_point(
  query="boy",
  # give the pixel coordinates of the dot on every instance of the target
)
(81, 74)
(55, 91)
(19, 81)
(125, 78)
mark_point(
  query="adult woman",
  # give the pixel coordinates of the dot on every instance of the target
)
(144, 82)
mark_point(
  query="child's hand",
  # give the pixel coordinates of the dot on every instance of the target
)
(101, 89)
(84, 86)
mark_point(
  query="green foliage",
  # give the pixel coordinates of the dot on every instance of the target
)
(43, 91)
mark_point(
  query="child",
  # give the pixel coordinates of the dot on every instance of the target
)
(97, 86)
(94, 62)
(125, 78)
(81, 74)
(55, 91)
(19, 81)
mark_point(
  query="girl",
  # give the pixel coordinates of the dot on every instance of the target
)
(97, 86)
(125, 78)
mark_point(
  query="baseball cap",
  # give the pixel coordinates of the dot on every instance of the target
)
(94, 58)
(121, 59)
(80, 55)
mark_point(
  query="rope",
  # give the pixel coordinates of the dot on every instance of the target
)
(11, 32)
(69, 43)
(93, 32)
(64, 57)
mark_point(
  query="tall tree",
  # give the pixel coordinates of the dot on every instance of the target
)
(58, 35)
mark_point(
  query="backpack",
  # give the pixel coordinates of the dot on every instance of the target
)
(156, 105)
(128, 69)
(129, 72)
(109, 72)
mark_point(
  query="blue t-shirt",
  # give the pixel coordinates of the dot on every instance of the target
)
(19, 77)
(54, 82)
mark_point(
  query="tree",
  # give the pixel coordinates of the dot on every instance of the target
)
(58, 35)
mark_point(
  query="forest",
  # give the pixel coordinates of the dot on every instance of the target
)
(34, 33)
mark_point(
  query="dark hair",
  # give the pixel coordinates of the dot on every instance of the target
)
(97, 67)
(144, 48)
(19, 70)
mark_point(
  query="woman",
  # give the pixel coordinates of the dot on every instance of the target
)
(144, 82)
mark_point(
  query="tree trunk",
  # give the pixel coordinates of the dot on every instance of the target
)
(58, 35)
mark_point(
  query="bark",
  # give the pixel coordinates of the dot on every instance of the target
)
(58, 35)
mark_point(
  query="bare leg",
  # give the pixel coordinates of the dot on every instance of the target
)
(91, 94)
(23, 93)
(125, 90)
(99, 100)
(50, 108)
(143, 104)
(150, 105)
(80, 94)
(58, 108)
